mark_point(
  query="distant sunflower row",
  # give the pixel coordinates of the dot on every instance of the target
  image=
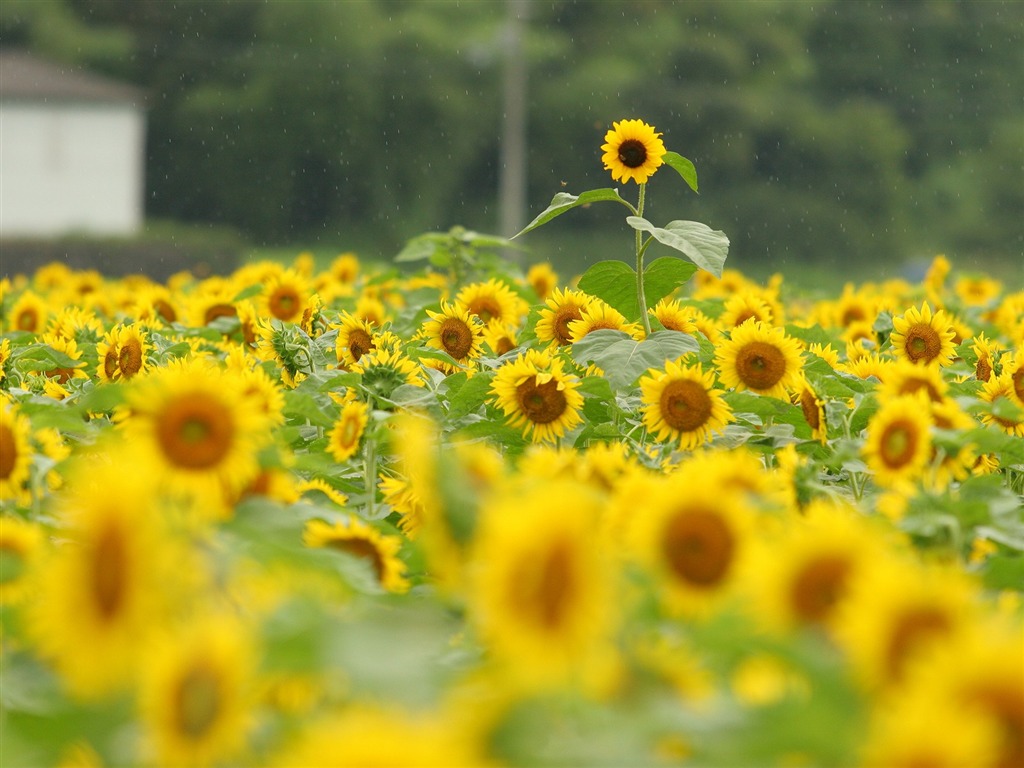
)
(348, 516)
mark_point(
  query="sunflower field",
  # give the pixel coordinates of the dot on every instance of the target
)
(450, 511)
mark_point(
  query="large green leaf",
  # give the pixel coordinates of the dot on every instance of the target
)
(563, 202)
(683, 167)
(615, 282)
(705, 247)
(624, 359)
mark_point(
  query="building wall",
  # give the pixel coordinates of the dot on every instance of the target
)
(70, 168)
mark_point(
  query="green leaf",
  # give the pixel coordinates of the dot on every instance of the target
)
(613, 282)
(563, 202)
(624, 359)
(705, 247)
(683, 167)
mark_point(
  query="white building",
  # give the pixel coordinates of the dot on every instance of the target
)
(72, 150)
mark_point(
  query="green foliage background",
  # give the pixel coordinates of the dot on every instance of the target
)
(826, 132)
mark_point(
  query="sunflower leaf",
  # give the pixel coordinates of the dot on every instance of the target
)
(624, 360)
(705, 247)
(683, 167)
(614, 282)
(563, 202)
(664, 275)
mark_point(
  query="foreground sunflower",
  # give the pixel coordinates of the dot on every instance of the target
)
(536, 394)
(632, 150)
(761, 358)
(681, 403)
(15, 454)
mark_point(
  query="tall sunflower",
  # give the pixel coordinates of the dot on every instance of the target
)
(760, 358)
(536, 394)
(681, 403)
(632, 150)
(921, 336)
(541, 592)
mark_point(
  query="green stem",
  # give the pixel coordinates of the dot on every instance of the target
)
(641, 300)
(370, 474)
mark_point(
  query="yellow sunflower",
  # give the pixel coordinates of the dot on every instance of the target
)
(492, 300)
(542, 278)
(744, 306)
(103, 592)
(194, 425)
(21, 543)
(813, 409)
(673, 316)
(360, 539)
(561, 308)
(977, 290)
(29, 313)
(535, 393)
(355, 339)
(987, 353)
(760, 358)
(5, 355)
(632, 150)
(691, 536)
(456, 331)
(1003, 388)
(285, 295)
(599, 316)
(541, 593)
(885, 631)
(681, 403)
(500, 338)
(1013, 366)
(898, 446)
(903, 377)
(197, 696)
(920, 336)
(15, 455)
(343, 439)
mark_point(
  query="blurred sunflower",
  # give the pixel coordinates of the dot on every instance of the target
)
(986, 352)
(743, 306)
(600, 316)
(285, 295)
(561, 308)
(632, 150)
(813, 409)
(456, 331)
(28, 313)
(760, 358)
(359, 539)
(681, 403)
(343, 439)
(541, 592)
(21, 543)
(535, 393)
(15, 454)
(196, 693)
(898, 445)
(500, 338)
(920, 336)
(542, 278)
(194, 426)
(492, 300)
(1003, 388)
(904, 377)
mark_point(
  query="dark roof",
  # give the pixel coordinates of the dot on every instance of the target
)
(29, 78)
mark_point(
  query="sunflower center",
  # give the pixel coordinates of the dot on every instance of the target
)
(760, 365)
(195, 431)
(60, 374)
(284, 303)
(486, 308)
(912, 629)
(1017, 378)
(912, 385)
(456, 338)
(698, 547)
(8, 451)
(364, 549)
(541, 403)
(685, 405)
(922, 343)
(503, 345)
(1007, 708)
(350, 432)
(27, 320)
(632, 153)
(983, 369)
(218, 310)
(560, 323)
(544, 591)
(809, 405)
(898, 444)
(359, 343)
(818, 586)
(165, 310)
(109, 564)
(130, 359)
(110, 363)
(198, 702)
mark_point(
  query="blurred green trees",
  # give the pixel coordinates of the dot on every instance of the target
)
(830, 131)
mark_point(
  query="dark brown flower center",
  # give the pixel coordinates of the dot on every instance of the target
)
(195, 431)
(632, 153)
(130, 359)
(284, 303)
(685, 405)
(543, 592)
(818, 586)
(27, 320)
(809, 404)
(922, 343)
(359, 343)
(219, 310)
(456, 337)
(913, 629)
(983, 369)
(560, 322)
(109, 571)
(698, 547)
(198, 702)
(166, 311)
(361, 548)
(760, 365)
(485, 307)
(110, 362)
(898, 443)
(8, 451)
(541, 403)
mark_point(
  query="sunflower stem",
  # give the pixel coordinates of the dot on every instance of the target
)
(370, 475)
(641, 300)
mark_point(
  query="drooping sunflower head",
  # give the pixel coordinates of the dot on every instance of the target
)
(543, 279)
(632, 150)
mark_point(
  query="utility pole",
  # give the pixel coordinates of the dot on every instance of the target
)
(512, 170)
